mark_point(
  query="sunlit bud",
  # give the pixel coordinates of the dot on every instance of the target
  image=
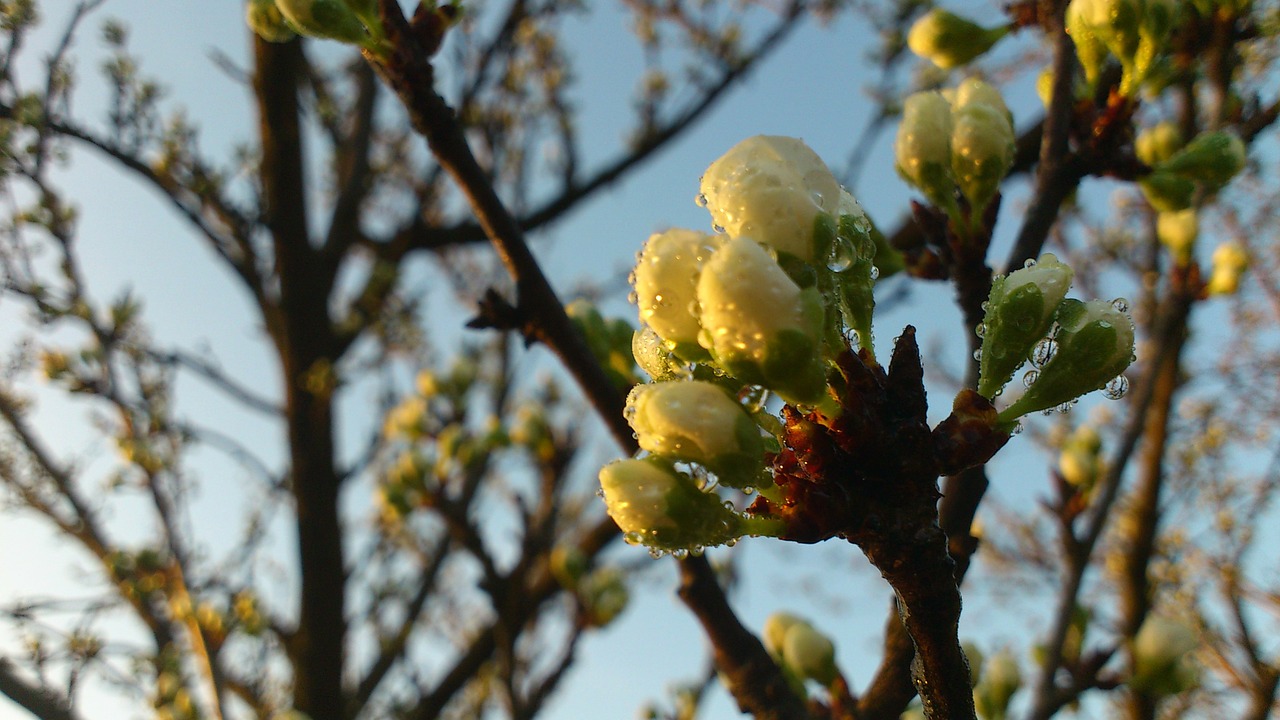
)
(604, 596)
(982, 147)
(1019, 312)
(775, 632)
(666, 282)
(1000, 680)
(1162, 651)
(1166, 191)
(1154, 29)
(662, 509)
(1158, 143)
(773, 190)
(1095, 344)
(974, 91)
(568, 564)
(973, 654)
(759, 325)
(948, 40)
(1080, 463)
(1090, 49)
(1230, 260)
(264, 18)
(695, 421)
(1211, 159)
(1178, 231)
(331, 19)
(922, 149)
(653, 356)
(809, 654)
(1115, 23)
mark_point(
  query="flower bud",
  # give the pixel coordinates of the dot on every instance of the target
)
(695, 421)
(652, 355)
(1178, 231)
(666, 282)
(922, 148)
(1211, 159)
(759, 325)
(662, 509)
(604, 595)
(775, 632)
(1019, 312)
(1154, 28)
(1229, 262)
(264, 18)
(1115, 23)
(1095, 344)
(809, 654)
(331, 19)
(982, 150)
(568, 564)
(1161, 656)
(1158, 143)
(1166, 191)
(1000, 680)
(1090, 49)
(773, 190)
(948, 40)
(1080, 462)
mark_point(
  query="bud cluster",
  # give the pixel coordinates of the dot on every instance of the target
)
(962, 140)
(1075, 347)
(1135, 32)
(800, 650)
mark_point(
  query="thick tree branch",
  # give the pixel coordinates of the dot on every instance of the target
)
(39, 701)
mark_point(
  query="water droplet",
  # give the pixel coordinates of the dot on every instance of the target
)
(817, 198)
(731, 542)
(1030, 378)
(985, 305)
(697, 550)
(1043, 352)
(600, 493)
(980, 330)
(1120, 304)
(1029, 263)
(1116, 389)
(841, 256)
(633, 298)
(680, 553)
(631, 538)
(875, 273)
(718, 228)
(977, 355)
(1017, 428)
(701, 200)
(748, 490)
(655, 553)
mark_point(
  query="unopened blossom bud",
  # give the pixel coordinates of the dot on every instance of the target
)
(922, 148)
(1115, 23)
(1161, 656)
(1158, 143)
(662, 509)
(694, 421)
(982, 144)
(1166, 191)
(1230, 260)
(604, 595)
(1211, 159)
(1094, 345)
(653, 356)
(1090, 49)
(759, 325)
(775, 632)
(331, 19)
(773, 190)
(1019, 312)
(949, 40)
(974, 91)
(265, 19)
(1080, 462)
(1177, 231)
(1001, 678)
(809, 654)
(666, 281)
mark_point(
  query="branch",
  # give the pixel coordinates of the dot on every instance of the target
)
(39, 701)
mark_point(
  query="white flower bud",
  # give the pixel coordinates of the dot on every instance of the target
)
(772, 189)
(1161, 652)
(666, 281)
(696, 421)
(949, 40)
(1080, 463)
(775, 632)
(658, 507)
(809, 653)
(982, 150)
(923, 147)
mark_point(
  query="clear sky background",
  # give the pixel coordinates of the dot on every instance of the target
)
(813, 89)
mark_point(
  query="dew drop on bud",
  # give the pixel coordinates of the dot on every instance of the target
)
(631, 538)
(718, 228)
(980, 330)
(1120, 304)
(655, 553)
(1030, 378)
(748, 490)
(600, 493)
(633, 298)
(841, 256)
(875, 273)
(1017, 428)
(701, 200)
(977, 355)
(1116, 389)
(680, 553)
(985, 305)
(1043, 352)
(1029, 263)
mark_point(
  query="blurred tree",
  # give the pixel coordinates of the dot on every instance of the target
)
(470, 592)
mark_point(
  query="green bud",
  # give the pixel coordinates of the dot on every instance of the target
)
(1090, 49)
(666, 282)
(603, 338)
(948, 40)
(662, 509)
(1158, 143)
(855, 270)
(330, 19)
(652, 355)
(265, 19)
(1230, 260)
(1080, 462)
(1001, 678)
(1166, 191)
(1154, 30)
(1211, 159)
(775, 632)
(1115, 23)
(982, 151)
(1095, 344)
(1162, 650)
(759, 325)
(568, 565)
(695, 421)
(809, 654)
(1019, 312)
(1178, 231)
(772, 189)
(604, 596)
(922, 148)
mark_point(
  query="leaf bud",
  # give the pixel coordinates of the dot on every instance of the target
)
(1166, 191)
(1090, 49)
(330, 19)
(568, 564)
(775, 632)
(922, 149)
(666, 282)
(604, 596)
(759, 325)
(1178, 231)
(1211, 159)
(1095, 344)
(949, 40)
(660, 508)
(773, 190)
(1230, 260)
(1162, 649)
(694, 421)
(1019, 312)
(265, 19)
